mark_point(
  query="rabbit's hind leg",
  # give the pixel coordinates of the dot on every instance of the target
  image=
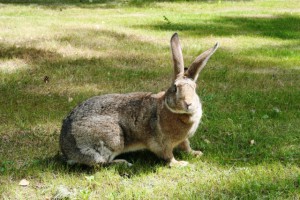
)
(88, 155)
(77, 152)
(95, 155)
(99, 139)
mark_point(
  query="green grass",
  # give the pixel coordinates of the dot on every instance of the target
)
(250, 90)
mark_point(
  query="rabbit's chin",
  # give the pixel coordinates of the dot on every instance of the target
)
(181, 111)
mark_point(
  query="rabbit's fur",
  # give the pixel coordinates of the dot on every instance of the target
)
(102, 127)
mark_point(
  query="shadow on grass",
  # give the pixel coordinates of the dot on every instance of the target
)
(279, 26)
(144, 162)
(228, 124)
(29, 54)
(78, 77)
(99, 3)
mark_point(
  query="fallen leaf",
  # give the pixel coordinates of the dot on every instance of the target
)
(46, 79)
(24, 182)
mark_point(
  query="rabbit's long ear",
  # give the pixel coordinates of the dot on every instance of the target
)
(177, 56)
(199, 63)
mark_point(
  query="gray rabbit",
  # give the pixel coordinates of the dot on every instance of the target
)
(103, 127)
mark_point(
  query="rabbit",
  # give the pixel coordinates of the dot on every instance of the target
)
(103, 127)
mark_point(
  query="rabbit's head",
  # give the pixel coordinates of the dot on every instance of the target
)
(181, 97)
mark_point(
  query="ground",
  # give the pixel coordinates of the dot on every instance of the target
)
(250, 90)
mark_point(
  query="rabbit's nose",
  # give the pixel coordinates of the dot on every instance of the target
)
(188, 105)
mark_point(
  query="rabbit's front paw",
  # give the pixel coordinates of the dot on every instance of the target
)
(196, 153)
(175, 163)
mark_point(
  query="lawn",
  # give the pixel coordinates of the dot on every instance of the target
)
(54, 55)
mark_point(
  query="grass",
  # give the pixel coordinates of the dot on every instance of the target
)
(250, 90)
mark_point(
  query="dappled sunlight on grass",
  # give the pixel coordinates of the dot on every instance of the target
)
(12, 65)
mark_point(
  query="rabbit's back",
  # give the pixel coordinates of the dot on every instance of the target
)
(114, 105)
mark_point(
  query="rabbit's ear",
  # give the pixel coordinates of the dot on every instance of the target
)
(199, 63)
(177, 56)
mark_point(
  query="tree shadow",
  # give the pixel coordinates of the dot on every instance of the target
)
(29, 54)
(144, 3)
(279, 26)
(90, 4)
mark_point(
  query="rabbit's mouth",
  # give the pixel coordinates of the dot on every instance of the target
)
(191, 109)
(187, 109)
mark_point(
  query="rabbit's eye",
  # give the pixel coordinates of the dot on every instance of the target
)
(174, 88)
